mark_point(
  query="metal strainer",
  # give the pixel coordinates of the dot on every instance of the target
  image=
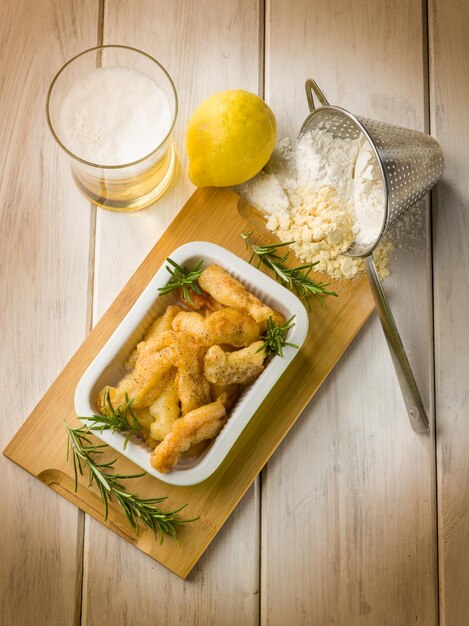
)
(410, 163)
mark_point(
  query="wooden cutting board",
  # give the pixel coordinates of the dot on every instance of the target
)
(40, 444)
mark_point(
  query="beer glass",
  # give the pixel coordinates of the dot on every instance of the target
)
(113, 185)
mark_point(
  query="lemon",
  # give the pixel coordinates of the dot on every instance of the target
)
(230, 138)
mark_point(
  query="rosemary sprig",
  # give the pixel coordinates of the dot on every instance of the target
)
(137, 510)
(295, 278)
(116, 419)
(274, 337)
(183, 278)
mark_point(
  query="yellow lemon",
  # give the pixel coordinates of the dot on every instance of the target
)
(230, 138)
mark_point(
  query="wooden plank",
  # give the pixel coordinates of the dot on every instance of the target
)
(348, 512)
(44, 274)
(449, 68)
(214, 593)
(203, 56)
(331, 331)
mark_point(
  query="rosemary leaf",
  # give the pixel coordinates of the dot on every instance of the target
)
(275, 337)
(295, 278)
(183, 278)
(139, 511)
(120, 419)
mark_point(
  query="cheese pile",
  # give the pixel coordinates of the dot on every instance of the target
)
(307, 196)
(323, 229)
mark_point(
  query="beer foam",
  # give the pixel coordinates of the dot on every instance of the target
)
(113, 116)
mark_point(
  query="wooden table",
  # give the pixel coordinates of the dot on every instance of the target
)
(356, 520)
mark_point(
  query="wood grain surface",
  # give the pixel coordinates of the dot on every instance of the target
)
(207, 47)
(342, 528)
(349, 516)
(449, 66)
(45, 230)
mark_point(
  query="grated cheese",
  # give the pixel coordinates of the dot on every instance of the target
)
(308, 194)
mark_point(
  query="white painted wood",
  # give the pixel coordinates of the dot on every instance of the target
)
(123, 585)
(45, 226)
(449, 66)
(348, 509)
(348, 513)
(206, 47)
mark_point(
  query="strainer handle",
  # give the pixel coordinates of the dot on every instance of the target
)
(413, 401)
(311, 87)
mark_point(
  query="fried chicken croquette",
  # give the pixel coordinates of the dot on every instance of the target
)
(230, 292)
(146, 381)
(229, 325)
(148, 439)
(160, 325)
(242, 366)
(164, 322)
(202, 423)
(164, 411)
(200, 301)
(154, 344)
(192, 387)
(144, 418)
(231, 393)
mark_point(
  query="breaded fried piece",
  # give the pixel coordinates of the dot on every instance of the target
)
(146, 381)
(148, 439)
(231, 393)
(144, 418)
(165, 410)
(160, 325)
(242, 366)
(202, 423)
(157, 419)
(157, 342)
(192, 387)
(230, 292)
(200, 301)
(164, 322)
(231, 326)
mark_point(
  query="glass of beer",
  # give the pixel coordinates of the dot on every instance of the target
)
(112, 110)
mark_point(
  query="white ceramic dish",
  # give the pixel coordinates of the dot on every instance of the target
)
(108, 366)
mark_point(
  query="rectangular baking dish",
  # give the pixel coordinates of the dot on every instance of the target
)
(108, 366)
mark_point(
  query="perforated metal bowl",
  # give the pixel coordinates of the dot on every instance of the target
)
(410, 161)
